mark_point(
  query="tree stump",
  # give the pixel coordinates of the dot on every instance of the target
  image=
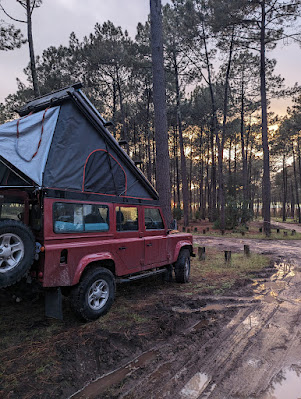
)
(227, 256)
(247, 250)
(202, 253)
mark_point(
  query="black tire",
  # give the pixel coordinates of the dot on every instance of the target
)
(17, 250)
(182, 266)
(167, 276)
(83, 297)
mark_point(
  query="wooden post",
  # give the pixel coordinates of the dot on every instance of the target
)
(242, 233)
(207, 228)
(204, 231)
(278, 231)
(223, 232)
(188, 230)
(195, 229)
(285, 233)
(202, 253)
(293, 232)
(247, 250)
(260, 230)
(183, 228)
(227, 256)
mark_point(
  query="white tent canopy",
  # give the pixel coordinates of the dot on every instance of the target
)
(25, 142)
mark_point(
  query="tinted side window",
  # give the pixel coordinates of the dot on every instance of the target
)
(153, 219)
(126, 218)
(72, 218)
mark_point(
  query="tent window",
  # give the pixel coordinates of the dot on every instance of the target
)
(103, 174)
(73, 218)
(126, 218)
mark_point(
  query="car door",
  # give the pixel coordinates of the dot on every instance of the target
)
(155, 241)
(129, 246)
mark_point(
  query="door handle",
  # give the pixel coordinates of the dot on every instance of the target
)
(149, 245)
(121, 248)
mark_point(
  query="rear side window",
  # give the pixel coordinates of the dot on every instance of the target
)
(126, 218)
(73, 218)
(153, 219)
(12, 210)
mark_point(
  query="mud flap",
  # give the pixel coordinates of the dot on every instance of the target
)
(53, 303)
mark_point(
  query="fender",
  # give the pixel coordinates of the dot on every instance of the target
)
(86, 260)
(179, 246)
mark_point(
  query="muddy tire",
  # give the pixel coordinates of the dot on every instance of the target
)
(167, 276)
(182, 266)
(94, 295)
(17, 250)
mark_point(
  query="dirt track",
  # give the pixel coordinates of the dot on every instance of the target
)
(248, 354)
(174, 343)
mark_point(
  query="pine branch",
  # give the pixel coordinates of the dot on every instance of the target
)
(9, 16)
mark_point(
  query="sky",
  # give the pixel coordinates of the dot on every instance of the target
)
(56, 19)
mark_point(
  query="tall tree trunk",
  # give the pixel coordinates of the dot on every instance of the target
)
(242, 141)
(284, 183)
(266, 183)
(185, 189)
(162, 153)
(296, 185)
(114, 107)
(202, 197)
(148, 149)
(235, 169)
(214, 132)
(31, 51)
(221, 143)
(124, 132)
(177, 171)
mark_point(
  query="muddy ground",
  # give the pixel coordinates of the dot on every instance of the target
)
(163, 341)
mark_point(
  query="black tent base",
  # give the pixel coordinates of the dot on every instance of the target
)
(53, 303)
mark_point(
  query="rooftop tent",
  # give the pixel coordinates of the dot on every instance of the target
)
(61, 142)
(25, 143)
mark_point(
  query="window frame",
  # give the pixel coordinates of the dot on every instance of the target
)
(82, 204)
(162, 220)
(117, 208)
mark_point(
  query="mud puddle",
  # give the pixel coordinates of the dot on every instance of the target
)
(286, 384)
(95, 388)
(270, 290)
(201, 364)
(195, 386)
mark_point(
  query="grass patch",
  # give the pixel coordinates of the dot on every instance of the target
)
(215, 276)
(253, 234)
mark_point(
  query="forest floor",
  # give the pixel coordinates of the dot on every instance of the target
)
(234, 331)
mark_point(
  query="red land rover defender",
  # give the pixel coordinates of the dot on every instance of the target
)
(76, 214)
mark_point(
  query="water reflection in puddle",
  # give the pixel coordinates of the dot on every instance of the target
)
(95, 388)
(286, 384)
(195, 386)
(269, 290)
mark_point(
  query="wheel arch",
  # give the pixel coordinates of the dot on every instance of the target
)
(91, 262)
(180, 246)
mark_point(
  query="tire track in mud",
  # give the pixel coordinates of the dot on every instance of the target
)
(239, 359)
